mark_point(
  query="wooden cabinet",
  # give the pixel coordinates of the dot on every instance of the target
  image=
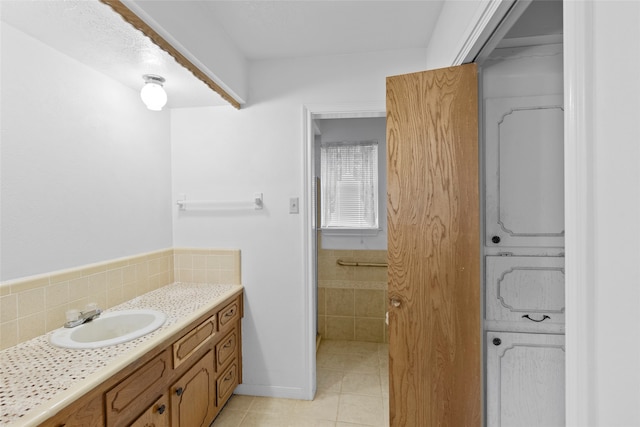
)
(525, 380)
(87, 412)
(157, 415)
(193, 396)
(524, 166)
(194, 340)
(132, 395)
(183, 382)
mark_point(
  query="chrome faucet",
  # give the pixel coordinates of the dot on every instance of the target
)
(77, 318)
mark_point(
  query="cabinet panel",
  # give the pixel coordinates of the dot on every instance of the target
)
(193, 396)
(229, 314)
(526, 290)
(226, 349)
(192, 341)
(524, 171)
(79, 414)
(131, 396)
(525, 380)
(227, 382)
(157, 415)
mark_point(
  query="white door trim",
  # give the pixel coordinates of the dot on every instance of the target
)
(310, 113)
(579, 210)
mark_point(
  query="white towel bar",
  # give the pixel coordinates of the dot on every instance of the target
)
(256, 203)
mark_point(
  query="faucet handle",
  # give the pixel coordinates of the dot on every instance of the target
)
(72, 315)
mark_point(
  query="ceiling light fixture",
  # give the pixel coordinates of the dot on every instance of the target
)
(152, 93)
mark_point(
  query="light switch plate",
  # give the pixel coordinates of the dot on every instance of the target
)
(293, 205)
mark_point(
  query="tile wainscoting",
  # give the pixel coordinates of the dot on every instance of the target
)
(35, 305)
(352, 300)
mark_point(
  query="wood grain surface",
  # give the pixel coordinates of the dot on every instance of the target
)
(434, 248)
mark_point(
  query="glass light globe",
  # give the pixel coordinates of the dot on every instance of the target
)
(153, 96)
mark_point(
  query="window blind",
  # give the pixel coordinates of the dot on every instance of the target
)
(349, 176)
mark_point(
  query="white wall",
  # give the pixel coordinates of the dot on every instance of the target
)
(85, 168)
(221, 154)
(360, 129)
(614, 99)
(462, 27)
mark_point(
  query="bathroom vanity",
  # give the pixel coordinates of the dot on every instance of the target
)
(180, 375)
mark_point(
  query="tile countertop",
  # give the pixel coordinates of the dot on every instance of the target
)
(37, 379)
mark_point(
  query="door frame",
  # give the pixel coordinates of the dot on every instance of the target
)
(310, 113)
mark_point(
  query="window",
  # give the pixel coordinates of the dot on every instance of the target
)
(349, 177)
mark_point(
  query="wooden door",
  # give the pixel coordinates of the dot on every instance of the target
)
(525, 380)
(434, 248)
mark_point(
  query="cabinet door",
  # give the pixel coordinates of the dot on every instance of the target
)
(524, 171)
(525, 380)
(193, 396)
(525, 292)
(157, 415)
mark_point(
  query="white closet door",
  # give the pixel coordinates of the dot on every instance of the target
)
(525, 380)
(525, 171)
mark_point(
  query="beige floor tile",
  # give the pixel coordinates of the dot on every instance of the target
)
(347, 362)
(364, 363)
(341, 424)
(272, 405)
(238, 402)
(323, 407)
(360, 383)
(255, 419)
(329, 380)
(305, 422)
(353, 391)
(228, 418)
(367, 410)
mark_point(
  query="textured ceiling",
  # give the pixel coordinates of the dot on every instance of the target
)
(95, 35)
(92, 33)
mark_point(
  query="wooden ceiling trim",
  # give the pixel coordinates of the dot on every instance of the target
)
(133, 19)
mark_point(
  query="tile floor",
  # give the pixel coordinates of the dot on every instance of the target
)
(352, 391)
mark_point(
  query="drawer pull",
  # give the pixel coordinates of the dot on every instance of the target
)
(229, 376)
(496, 341)
(179, 391)
(230, 313)
(228, 344)
(545, 317)
(161, 409)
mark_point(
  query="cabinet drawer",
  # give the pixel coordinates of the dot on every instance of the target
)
(133, 395)
(227, 382)
(229, 314)
(528, 290)
(192, 341)
(157, 415)
(226, 348)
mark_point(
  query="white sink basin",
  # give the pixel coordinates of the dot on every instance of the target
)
(111, 328)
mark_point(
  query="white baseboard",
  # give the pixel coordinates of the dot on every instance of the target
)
(274, 391)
